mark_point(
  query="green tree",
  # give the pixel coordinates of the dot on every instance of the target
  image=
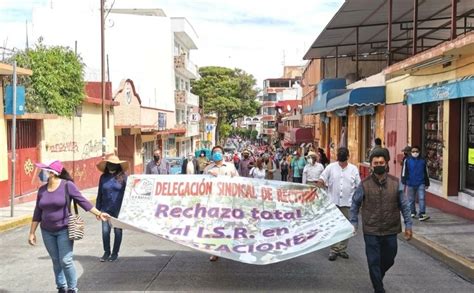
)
(225, 130)
(230, 93)
(57, 83)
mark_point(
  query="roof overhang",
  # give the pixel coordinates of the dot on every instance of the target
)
(7, 69)
(369, 20)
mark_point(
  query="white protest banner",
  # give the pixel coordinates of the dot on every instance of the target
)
(247, 220)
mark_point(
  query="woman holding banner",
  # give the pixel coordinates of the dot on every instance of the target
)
(109, 199)
(52, 213)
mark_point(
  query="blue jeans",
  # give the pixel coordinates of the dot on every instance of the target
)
(106, 229)
(380, 252)
(59, 248)
(411, 192)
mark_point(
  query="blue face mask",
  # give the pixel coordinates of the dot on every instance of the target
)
(217, 157)
(43, 176)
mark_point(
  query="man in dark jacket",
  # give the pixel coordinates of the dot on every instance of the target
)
(415, 177)
(381, 200)
(190, 165)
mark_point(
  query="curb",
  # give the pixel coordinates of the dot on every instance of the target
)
(25, 220)
(459, 264)
(14, 223)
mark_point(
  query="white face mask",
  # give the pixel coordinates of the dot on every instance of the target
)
(415, 155)
(310, 161)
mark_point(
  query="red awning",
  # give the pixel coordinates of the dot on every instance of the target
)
(291, 103)
(301, 135)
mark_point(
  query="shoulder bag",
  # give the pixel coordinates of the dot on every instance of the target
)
(75, 224)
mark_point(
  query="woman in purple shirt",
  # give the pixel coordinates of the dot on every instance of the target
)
(52, 215)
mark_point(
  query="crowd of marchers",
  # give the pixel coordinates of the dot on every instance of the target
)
(380, 198)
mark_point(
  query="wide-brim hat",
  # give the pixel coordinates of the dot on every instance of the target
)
(113, 160)
(311, 154)
(55, 167)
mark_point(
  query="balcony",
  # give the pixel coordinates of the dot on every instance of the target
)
(186, 98)
(185, 67)
(184, 31)
(192, 129)
(283, 128)
(268, 118)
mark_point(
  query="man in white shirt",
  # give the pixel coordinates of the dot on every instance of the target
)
(313, 169)
(342, 179)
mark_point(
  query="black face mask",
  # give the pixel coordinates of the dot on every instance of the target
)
(380, 170)
(156, 158)
(112, 167)
(342, 157)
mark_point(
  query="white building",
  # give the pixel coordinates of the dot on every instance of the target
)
(143, 45)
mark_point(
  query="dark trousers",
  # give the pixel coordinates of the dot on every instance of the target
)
(381, 252)
(284, 177)
(298, 179)
(106, 229)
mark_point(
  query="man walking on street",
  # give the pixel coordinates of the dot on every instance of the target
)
(297, 165)
(381, 199)
(190, 165)
(313, 169)
(158, 165)
(415, 177)
(341, 179)
(246, 163)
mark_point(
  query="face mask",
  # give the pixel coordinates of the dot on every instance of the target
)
(202, 155)
(415, 155)
(156, 158)
(342, 157)
(43, 176)
(380, 170)
(112, 168)
(310, 161)
(216, 157)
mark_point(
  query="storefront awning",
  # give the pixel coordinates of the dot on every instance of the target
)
(450, 89)
(301, 135)
(327, 89)
(364, 96)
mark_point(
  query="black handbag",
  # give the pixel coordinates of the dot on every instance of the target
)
(75, 224)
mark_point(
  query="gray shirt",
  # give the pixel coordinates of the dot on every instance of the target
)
(162, 168)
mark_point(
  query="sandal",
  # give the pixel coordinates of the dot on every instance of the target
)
(213, 258)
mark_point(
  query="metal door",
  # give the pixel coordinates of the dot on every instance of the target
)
(26, 156)
(126, 150)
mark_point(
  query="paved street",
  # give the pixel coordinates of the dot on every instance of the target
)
(149, 263)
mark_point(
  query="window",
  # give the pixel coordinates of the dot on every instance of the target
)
(161, 121)
(176, 82)
(270, 97)
(187, 86)
(269, 111)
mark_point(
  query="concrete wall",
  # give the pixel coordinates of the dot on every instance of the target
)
(77, 143)
(3, 142)
(128, 112)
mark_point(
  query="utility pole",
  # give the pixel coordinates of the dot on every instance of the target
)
(102, 69)
(13, 143)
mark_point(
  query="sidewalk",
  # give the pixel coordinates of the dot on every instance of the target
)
(448, 238)
(445, 237)
(23, 212)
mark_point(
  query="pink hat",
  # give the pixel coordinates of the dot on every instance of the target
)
(52, 166)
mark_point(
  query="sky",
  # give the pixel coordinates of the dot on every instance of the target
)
(258, 36)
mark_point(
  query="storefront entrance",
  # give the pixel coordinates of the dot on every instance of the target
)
(467, 147)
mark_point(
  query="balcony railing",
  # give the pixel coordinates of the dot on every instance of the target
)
(180, 97)
(185, 67)
(192, 100)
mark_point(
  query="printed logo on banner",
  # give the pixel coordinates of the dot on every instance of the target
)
(142, 188)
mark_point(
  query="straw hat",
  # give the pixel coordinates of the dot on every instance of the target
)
(114, 160)
(310, 154)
